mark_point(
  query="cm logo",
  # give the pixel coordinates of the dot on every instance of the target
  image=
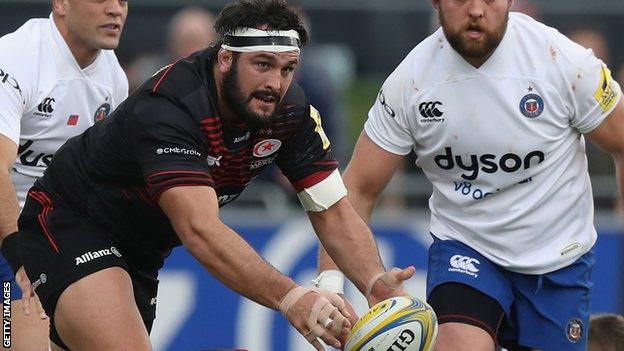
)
(430, 109)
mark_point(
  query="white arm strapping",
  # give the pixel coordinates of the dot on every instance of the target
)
(331, 280)
(324, 194)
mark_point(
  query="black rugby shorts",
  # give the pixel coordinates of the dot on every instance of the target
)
(58, 247)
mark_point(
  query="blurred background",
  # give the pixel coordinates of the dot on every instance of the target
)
(354, 45)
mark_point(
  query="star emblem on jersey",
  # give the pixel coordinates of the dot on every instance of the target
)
(266, 147)
(101, 112)
(574, 330)
(532, 105)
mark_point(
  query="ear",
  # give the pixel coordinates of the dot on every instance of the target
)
(510, 4)
(224, 60)
(435, 4)
(59, 7)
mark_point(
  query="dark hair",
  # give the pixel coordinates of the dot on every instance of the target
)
(254, 13)
(606, 331)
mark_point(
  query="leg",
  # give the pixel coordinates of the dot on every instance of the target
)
(471, 323)
(470, 295)
(463, 337)
(553, 309)
(99, 312)
(28, 332)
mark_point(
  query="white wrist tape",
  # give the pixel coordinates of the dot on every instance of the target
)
(331, 280)
(324, 194)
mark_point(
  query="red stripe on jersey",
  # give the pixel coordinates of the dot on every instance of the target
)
(311, 180)
(162, 78)
(167, 182)
(46, 202)
(176, 172)
(157, 195)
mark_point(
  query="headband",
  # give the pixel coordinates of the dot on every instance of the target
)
(252, 40)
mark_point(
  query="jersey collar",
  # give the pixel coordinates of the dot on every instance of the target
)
(66, 53)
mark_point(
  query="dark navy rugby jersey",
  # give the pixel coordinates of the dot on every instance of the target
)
(168, 133)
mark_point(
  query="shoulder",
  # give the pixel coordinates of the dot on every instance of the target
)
(178, 79)
(295, 95)
(547, 45)
(20, 49)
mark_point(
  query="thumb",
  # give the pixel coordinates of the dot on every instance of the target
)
(406, 273)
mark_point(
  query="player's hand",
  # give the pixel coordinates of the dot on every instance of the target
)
(316, 315)
(388, 284)
(350, 312)
(28, 294)
(346, 311)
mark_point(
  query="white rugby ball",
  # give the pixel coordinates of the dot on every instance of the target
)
(397, 324)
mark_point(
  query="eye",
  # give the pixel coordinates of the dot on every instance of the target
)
(263, 65)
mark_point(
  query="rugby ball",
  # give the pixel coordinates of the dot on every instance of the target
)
(397, 324)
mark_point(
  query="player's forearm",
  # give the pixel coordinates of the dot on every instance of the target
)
(235, 263)
(618, 159)
(9, 207)
(362, 202)
(349, 242)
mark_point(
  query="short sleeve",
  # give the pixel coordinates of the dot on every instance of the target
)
(307, 158)
(169, 145)
(593, 93)
(11, 105)
(387, 120)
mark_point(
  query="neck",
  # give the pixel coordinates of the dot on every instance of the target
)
(83, 54)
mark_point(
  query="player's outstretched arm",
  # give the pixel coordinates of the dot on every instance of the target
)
(609, 136)
(194, 214)
(9, 208)
(368, 173)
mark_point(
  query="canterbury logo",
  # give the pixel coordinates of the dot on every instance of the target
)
(430, 109)
(46, 105)
(464, 264)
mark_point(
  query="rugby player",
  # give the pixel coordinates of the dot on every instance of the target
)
(497, 107)
(115, 200)
(58, 76)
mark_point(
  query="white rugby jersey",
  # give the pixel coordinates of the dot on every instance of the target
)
(502, 144)
(46, 98)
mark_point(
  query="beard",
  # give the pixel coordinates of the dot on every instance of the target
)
(240, 104)
(472, 49)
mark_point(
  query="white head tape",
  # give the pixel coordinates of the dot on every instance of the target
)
(253, 40)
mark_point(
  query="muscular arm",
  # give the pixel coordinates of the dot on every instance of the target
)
(368, 173)
(9, 207)
(349, 241)
(194, 213)
(609, 136)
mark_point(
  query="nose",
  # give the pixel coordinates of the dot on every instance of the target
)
(115, 7)
(274, 81)
(475, 9)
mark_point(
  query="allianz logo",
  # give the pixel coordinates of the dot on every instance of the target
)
(92, 255)
(488, 163)
(464, 264)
